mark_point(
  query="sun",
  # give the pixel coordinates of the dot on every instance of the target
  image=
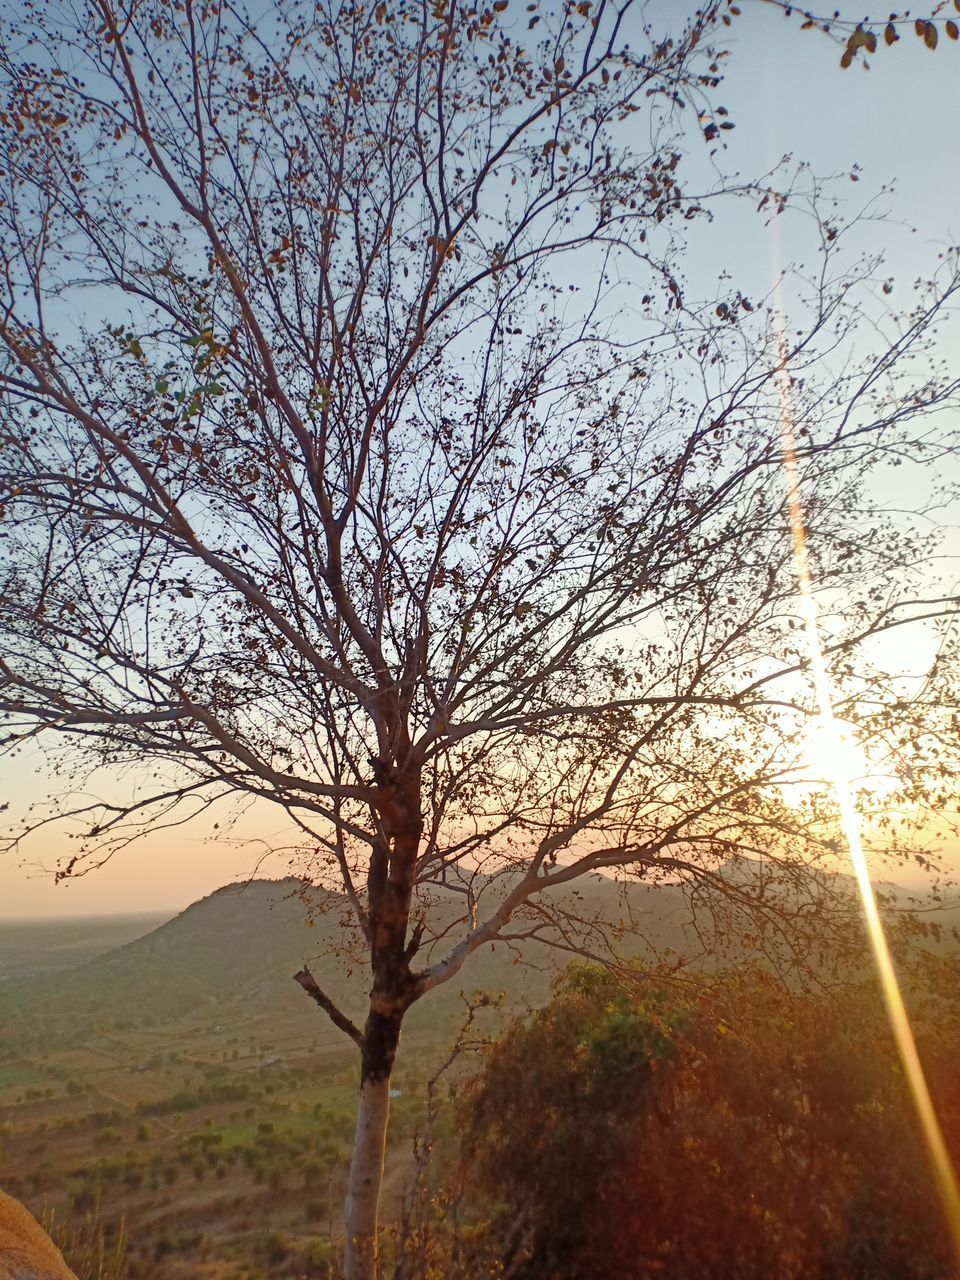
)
(833, 754)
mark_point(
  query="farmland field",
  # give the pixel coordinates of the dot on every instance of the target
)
(217, 1141)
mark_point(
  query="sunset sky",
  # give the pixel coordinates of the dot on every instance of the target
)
(786, 94)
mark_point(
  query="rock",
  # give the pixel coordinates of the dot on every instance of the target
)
(26, 1251)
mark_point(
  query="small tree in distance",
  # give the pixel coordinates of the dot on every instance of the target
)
(363, 453)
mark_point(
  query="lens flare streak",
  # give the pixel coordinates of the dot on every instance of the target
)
(941, 1164)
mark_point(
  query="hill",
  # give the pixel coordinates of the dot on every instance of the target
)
(234, 953)
(184, 1083)
(237, 950)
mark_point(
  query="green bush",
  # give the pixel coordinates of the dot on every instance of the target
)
(273, 1247)
(732, 1129)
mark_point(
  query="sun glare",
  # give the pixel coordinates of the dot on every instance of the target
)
(834, 755)
(839, 758)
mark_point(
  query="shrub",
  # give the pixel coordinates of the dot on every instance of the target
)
(274, 1248)
(738, 1130)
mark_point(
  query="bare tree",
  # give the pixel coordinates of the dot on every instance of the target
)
(363, 453)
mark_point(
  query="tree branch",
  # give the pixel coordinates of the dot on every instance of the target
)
(309, 983)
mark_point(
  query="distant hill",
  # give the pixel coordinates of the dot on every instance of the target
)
(219, 949)
(239, 947)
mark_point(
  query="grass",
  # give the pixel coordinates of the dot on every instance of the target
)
(84, 1245)
(15, 1075)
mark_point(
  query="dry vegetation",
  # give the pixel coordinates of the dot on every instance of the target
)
(198, 1137)
(203, 1139)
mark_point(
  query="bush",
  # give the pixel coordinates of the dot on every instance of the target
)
(318, 1259)
(737, 1130)
(273, 1247)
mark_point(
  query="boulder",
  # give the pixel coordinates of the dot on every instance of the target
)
(26, 1251)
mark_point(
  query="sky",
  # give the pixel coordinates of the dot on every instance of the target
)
(786, 94)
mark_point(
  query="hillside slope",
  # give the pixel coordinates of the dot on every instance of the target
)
(239, 948)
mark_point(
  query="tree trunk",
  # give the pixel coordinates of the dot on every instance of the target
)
(389, 887)
(380, 1040)
(366, 1176)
